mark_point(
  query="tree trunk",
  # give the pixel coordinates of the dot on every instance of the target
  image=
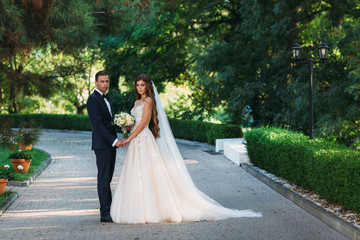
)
(80, 108)
(12, 97)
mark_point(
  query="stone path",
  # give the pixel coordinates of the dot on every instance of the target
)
(62, 202)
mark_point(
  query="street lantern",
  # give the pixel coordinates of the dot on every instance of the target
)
(296, 51)
(323, 51)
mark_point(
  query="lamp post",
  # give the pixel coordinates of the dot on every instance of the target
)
(323, 52)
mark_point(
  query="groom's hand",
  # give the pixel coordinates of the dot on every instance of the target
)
(119, 143)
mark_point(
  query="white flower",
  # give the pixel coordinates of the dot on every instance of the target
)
(20, 167)
(123, 119)
(6, 166)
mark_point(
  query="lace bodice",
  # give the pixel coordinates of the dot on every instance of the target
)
(137, 112)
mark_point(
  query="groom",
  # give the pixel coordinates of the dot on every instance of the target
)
(104, 141)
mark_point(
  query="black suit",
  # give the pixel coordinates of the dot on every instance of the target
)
(103, 136)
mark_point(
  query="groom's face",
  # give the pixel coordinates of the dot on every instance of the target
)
(102, 83)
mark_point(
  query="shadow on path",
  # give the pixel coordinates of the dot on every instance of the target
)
(62, 202)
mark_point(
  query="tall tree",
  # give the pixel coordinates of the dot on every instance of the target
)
(63, 25)
(248, 62)
(154, 41)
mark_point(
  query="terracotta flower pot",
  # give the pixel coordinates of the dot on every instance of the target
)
(23, 162)
(24, 147)
(3, 183)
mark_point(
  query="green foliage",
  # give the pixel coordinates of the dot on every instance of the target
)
(51, 121)
(185, 129)
(37, 23)
(121, 102)
(38, 157)
(153, 41)
(327, 168)
(27, 135)
(234, 54)
(6, 133)
(342, 131)
(5, 172)
(245, 61)
(39, 27)
(4, 197)
(18, 154)
(203, 131)
(67, 77)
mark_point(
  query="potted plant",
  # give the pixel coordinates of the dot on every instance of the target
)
(5, 176)
(6, 133)
(20, 160)
(26, 137)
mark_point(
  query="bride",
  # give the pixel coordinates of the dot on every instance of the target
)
(154, 185)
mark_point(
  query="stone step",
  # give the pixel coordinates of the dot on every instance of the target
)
(219, 144)
(234, 149)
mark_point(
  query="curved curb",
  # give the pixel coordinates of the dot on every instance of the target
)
(340, 225)
(25, 183)
(8, 202)
(28, 181)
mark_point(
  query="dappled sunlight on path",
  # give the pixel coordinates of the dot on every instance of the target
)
(62, 203)
(64, 194)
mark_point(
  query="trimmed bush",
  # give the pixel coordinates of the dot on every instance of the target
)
(51, 121)
(203, 131)
(329, 169)
(184, 129)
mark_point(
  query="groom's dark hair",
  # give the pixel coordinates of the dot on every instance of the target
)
(101, 73)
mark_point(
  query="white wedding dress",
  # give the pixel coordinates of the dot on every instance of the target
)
(155, 186)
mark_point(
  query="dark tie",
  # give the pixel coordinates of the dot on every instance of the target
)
(105, 96)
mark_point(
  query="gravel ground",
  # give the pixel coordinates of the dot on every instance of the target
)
(348, 215)
(62, 202)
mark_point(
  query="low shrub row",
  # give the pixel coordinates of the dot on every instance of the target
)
(203, 131)
(329, 169)
(184, 129)
(51, 121)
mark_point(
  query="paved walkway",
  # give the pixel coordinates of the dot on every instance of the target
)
(62, 202)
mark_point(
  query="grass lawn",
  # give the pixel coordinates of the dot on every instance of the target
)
(38, 157)
(5, 196)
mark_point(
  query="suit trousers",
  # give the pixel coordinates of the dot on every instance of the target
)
(105, 162)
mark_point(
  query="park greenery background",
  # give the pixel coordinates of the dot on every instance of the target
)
(220, 61)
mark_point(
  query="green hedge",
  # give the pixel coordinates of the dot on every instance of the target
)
(329, 169)
(203, 131)
(184, 129)
(51, 121)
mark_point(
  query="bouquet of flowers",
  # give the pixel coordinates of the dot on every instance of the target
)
(124, 120)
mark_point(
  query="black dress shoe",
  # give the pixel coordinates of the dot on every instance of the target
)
(106, 219)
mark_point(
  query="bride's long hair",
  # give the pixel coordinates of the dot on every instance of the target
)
(154, 122)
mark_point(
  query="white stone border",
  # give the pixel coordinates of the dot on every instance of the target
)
(337, 223)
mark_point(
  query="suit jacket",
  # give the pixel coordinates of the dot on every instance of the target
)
(103, 129)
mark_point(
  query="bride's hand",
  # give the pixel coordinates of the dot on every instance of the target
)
(126, 142)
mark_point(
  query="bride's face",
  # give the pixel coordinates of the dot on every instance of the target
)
(141, 87)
